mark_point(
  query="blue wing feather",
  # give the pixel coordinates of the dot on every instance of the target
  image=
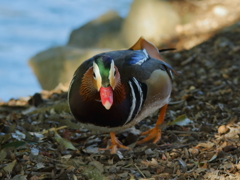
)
(138, 57)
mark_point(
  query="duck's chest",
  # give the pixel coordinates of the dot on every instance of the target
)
(94, 112)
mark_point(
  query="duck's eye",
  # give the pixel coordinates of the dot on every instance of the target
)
(94, 75)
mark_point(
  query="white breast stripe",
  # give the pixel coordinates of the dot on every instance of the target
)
(144, 59)
(133, 103)
(140, 94)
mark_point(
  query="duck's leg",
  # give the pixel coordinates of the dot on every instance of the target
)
(115, 144)
(154, 134)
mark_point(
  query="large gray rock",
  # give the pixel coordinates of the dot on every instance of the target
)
(155, 20)
(57, 65)
(103, 32)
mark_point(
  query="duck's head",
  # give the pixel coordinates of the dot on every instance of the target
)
(101, 80)
(105, 78)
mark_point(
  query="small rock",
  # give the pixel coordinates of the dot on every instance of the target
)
(193, 151)
(222, 129)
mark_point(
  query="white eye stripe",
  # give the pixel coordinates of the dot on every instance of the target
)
(112, 70)
(111, 76)
(97, 77)
(96, 70)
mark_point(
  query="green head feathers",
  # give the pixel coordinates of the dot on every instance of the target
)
(104, 65)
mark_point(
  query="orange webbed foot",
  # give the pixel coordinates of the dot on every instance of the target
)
(154, 134)
(115, 144)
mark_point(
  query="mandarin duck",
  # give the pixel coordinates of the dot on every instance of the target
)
(113, 91)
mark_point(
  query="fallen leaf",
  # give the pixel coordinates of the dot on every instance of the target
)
(183, 163)
(19, 177)
(93, 174)
(92, 149)
(207, 145)
(38, 135)
(3, 155)
(18, 135)
(53, 129)
(180, 120)
(204, 165)
(229, 148)
(39, 166)
(10, 166)
(119, 154)
(64, 142)
(34, 177)
(233, 134)
(147, 179)
(68, 156)
(213, 157)
(98, 165)
(14, 144)
(153, 162)
(5, 138)
(131, 177)
(164, 157)
(200, 170)
(227, 165)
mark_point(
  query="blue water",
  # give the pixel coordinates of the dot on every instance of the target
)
(28, 27)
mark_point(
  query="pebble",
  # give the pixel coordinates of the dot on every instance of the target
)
(222, 129)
